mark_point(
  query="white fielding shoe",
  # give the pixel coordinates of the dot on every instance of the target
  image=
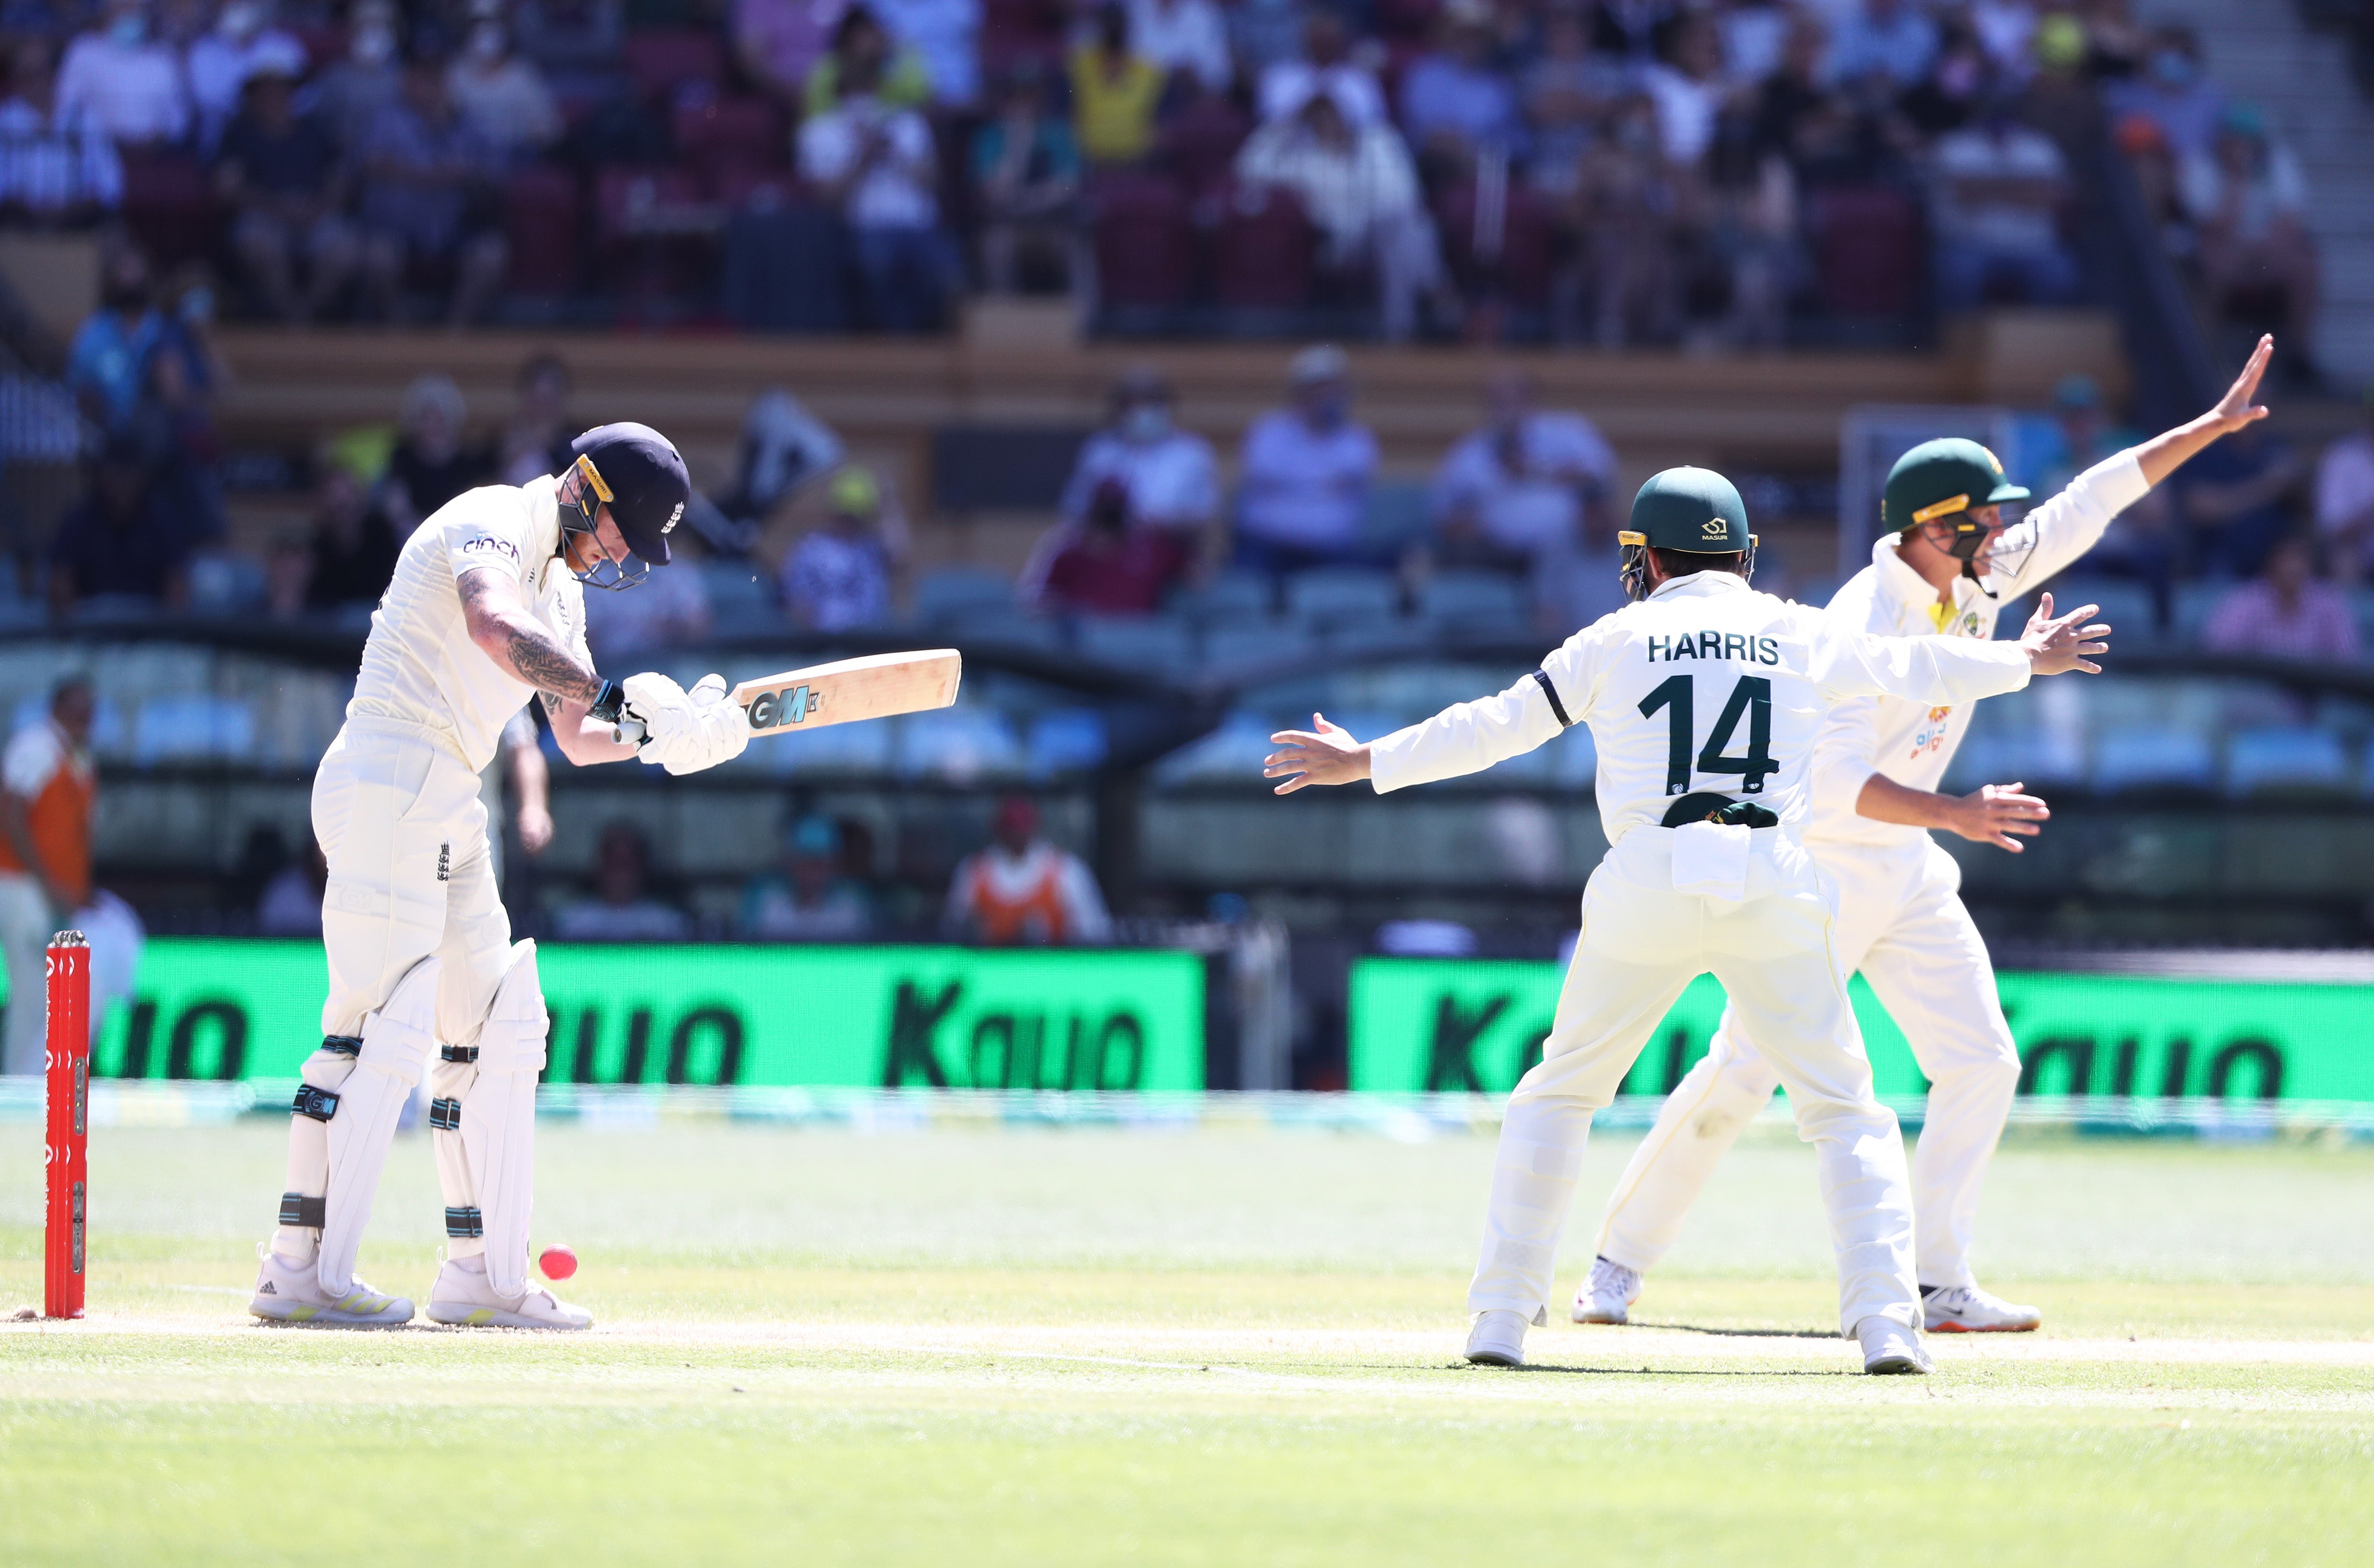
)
(1497, 1339)
(1607, 1296)
(465, 1298)
(1888, 1348)
(292, 1292)
(1966, 1309)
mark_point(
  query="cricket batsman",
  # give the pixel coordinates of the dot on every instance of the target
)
(1944, 568)
(487, 608)
(1704, 697)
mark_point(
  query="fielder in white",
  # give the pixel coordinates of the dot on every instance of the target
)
(486, 610)
(1945, 569)
(1704, 697)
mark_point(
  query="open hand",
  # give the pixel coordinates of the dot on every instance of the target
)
(1324, 754)
(1992, 814)
(2236, 409)
(2055, 647)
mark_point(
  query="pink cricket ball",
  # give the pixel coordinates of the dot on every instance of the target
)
(558, 1261)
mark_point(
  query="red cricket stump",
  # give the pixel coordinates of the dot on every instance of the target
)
(67, 1152)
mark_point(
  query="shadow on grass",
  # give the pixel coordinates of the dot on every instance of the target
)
(1659, 1371)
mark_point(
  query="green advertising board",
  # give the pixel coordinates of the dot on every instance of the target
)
(872, 1017)
(1430, 1025)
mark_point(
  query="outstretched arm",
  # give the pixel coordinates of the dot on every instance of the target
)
(1989, 815)
(505, 632)
(2169, 451)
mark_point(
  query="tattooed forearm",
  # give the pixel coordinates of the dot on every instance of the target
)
(551, 669)
(503, 629)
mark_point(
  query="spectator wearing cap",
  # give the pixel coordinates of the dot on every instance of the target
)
(1362, 190)
(50, 173)
(2004, 188)
(501, 93)
(2248, 203)
(839, 577)
(349, 93)
(2344, 497)
(122, 543)
(222, 60)
(1184, 35)
(428, 198)
(2287, 611)
(1305, 471)
(1025, 172)
(123, 82)
(1170, 475)
(2173, 92)
(1108, 563)
(1455, 105)
(1023, 891)
(873, 159)
(279, 172)
(1326, 65)
(1513, 492)
(47, 789)
(1114, 92)
(809, 897)
(432, 461)
(1893, 40)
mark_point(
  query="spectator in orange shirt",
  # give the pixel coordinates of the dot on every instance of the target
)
(46, 788)
(1022, 891)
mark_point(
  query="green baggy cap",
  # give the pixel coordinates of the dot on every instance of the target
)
(1941, 478)
(1690, 508)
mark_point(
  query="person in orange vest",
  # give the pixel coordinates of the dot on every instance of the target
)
(1022, 891)
(46, 789)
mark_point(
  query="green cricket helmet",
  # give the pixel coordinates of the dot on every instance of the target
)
(1693, 510)
(1940, 482)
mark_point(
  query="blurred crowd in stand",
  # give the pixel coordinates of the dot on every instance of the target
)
(1619, 172)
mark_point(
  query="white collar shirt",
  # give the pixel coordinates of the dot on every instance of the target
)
(419, 666)
(1705, 685)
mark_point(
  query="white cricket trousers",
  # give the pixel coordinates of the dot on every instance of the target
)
(27, 923)
(1901, 923)
(397, 813)
(1773, 951)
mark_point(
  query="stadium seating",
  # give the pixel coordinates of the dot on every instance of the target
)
(1063, 740)
(1473, 600)
(1246, 647)
(1159, 646)
(2138, 758)
(945, 591)
(956, 745)
(1333, 594)
(741, 602)
(1145, 245)
(1262, 251)
(2126, 606)
(2291, 760)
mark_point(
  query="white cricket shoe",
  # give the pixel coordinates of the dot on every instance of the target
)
(1888, 1347)
(1497, 1339)
(1607, 1296)
(465, 1298)
(1966, 1309)
(292, 1292)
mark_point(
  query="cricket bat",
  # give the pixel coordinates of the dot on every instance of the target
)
(842, 692)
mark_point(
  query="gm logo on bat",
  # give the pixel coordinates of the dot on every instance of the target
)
(772, 710)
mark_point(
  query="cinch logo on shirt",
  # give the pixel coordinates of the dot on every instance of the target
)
(1715, 645)
(489, 542)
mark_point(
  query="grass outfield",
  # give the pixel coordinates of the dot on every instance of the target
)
(992, 1347)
